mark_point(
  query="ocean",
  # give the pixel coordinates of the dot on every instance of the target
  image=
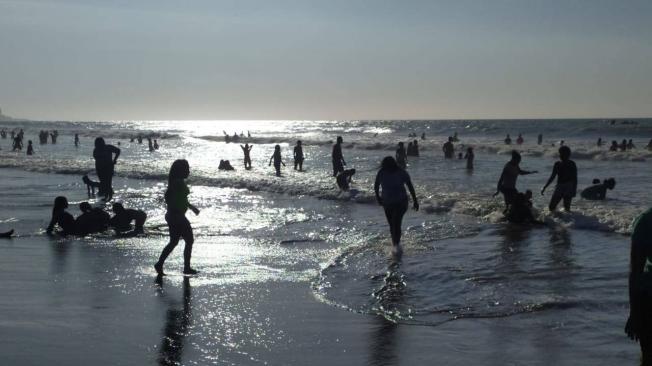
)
(293, 271)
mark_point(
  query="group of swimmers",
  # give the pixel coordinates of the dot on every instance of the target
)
(43, 136)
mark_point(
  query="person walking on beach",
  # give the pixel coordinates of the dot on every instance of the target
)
(507, 181)
(176, 199)
(390, 193)
(338, 159)
(246, 149)
(639, 323)
(104, 166)
(566, 172)
(448, 148)
(401, 156)
(298, 156)
(277, 159)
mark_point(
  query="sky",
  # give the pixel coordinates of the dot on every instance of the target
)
(325, 60)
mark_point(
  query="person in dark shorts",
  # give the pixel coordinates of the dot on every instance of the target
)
(338, 158)
(176, 199)
(104, 166)
(390, 193)
(565, 171)
(507, 181)
(639, 323)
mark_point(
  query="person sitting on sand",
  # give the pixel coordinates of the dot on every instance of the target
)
(508, 140)
(30, 148)
(507, 181)
(277, 159)
(225, 165)
(401, 156)
(122, 218)
(519, 139)
(566, 172)
(246, 149)
(61, 217)
(448, 148)
(598, 191)
(343, 179)
(298, 156)
(92, 220)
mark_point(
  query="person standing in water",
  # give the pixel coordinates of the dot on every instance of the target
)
(76, 140)
(338, 158)
(277, 159)
(298, 156)
(105, 166)
(508, 140)
(246, 149)
(507, 181)
(448, 148)
(390, 193)
(469, 158)
(30, 148)
(401, 156)
(566, 172)
(176, 198)
(539, 139)
(639, 323)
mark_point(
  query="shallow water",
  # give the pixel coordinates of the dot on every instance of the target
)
(468, 288)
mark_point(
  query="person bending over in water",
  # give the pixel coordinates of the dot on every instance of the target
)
(401, 156)
(639, 323)
(246, 149)
(121, 221)
(176, 198)
(520, 211)
(104, 166)
(298, 156)
(391, 180)
(598, 191)
(92, 220)
(507, 181)
(277, 159)
(566, 172)
(61, 217)
(338, 158)
(344, 179)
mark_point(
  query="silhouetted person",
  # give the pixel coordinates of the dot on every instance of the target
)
(155, 144)
(448, 148)
(140, 139)
(104, 166)
(246, 149)
(455, 138)
(470, 156)
(598, 191)
(630, 145)
(92, 220)
(410, 149)
(176, 198)
(508, 140)
(61, 217)
(565, 171)
(401, 156)
(3, 133)
(639, 323)
(507, 181)
(519, 139)
(343, 179)
(30, 148)
(298, 156)
(539, 139)
(520, 211)
(338, 158)
(77, 140)
(18, 143)
(122, 218)
(623, 145)
(599, 143)
(225, 165)
(391, 180)
(53, 136)
(277, 159)
(649, 145)
(423, 136)
(415, 147)
(150, 146)
(614, 146)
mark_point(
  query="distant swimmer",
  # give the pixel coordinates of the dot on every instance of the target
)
(623, 145)
(343, 179)
(92, 220)
(507, 181)
(176, 199)
(401, 156)
(277, 159)
(508, 140)
(539, 139)
(519, 139)
(90, 185)
(639, 323)
(599, 143)
(53, 136)
(337, 157)
(248, 134)
(77, 140)
(598, 191)
(423, 136)
(630, 145)
(390, 193)
(30, 148)
(61, 217)
(565, 171)
(155, 144)
(455, 138)
(3, 133)
(448, 148)
(105, 165)
(246, 149)
(122, 218)
(298, 156)
(614, 146)
(225, 165)
(470, 156)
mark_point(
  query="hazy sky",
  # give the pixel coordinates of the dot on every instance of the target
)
(326, 59)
